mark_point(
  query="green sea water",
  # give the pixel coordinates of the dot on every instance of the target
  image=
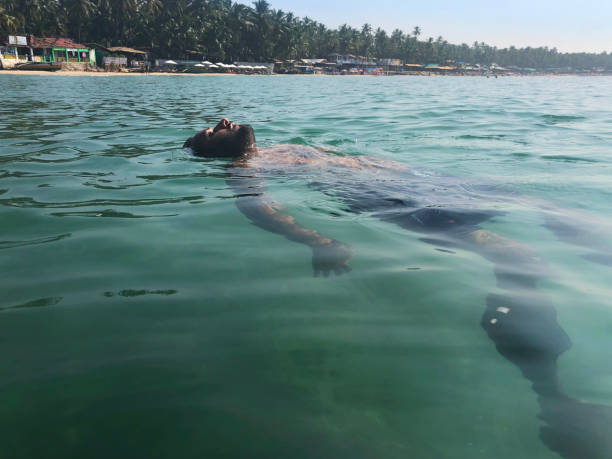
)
(143, 316)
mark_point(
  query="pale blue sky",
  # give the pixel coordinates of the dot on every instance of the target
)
(568, 25)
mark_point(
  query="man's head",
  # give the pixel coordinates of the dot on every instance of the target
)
(225, 140)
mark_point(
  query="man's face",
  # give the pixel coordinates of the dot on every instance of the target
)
(226, 139)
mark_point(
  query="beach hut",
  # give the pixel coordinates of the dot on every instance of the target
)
(62, 50)
(115, 58)
(413, 67)
(14, 50)
(52, 51)
(135, 57)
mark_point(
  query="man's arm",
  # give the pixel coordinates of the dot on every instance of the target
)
(327, 254)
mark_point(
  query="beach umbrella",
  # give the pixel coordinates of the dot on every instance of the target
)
(231, 66)
(170, 63)
(199, 65)
(213, 66)
(207, 63)
(220, 64)
(248, 67)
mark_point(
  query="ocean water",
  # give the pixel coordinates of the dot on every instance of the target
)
(143, 315)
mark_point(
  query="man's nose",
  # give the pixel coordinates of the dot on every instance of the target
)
(222, 124)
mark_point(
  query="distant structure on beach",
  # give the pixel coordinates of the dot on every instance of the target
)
(226, 32)
(30, 52)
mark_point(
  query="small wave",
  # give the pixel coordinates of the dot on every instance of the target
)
(25, 174)
(42, 240)
(338, 142)
(113, 187)
(131, 292)
(599, 258)
(569, 159)
(107, 213)
(29, 202)
(298, 141)
(445, 251)
(554, 119)
(41, 302)
(482, 137)
(151, 177)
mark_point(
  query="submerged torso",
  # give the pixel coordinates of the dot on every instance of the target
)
(387, 188)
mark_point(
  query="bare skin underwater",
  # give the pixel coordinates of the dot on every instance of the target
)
(521, 321)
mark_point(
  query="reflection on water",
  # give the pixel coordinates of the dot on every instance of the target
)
(41, 240)
(180, 329)
(130, 292)
(35, 303)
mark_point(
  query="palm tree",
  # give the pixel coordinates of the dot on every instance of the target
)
(381, 43)
(242, 22)
(225, 28)
(79, 11)
(366, 41)
(8, 23)
(262, 12)
(396, 43)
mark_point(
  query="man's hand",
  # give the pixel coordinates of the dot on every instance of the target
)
(332, 256)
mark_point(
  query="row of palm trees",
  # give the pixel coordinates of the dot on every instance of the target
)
(227, 30)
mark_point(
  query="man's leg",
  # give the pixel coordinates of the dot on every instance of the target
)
(523, 325)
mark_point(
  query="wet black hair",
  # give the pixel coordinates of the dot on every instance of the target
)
(229, 146)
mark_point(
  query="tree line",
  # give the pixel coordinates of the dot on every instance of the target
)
(230, 31)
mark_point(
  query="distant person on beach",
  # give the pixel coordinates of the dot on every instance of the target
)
(521, 322)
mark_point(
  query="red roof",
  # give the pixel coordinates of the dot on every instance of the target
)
(36, 42)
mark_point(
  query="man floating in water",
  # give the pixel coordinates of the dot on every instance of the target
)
(521, 322)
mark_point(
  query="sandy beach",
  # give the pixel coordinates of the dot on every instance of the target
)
(135, 74)
(102, 74)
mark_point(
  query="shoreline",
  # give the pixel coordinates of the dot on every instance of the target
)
(135, 74)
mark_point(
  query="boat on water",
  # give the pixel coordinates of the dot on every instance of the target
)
(48, 66)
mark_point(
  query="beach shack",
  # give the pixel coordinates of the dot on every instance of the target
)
(279, 66)
(316, 65)
(343, 61)
(116, 58)
(135, 57)
(441, 69)
(350, 63)
(62, 50)
(14, 50)
(413, 68)
(391, 65)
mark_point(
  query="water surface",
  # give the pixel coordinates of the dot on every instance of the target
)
(142, 315)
